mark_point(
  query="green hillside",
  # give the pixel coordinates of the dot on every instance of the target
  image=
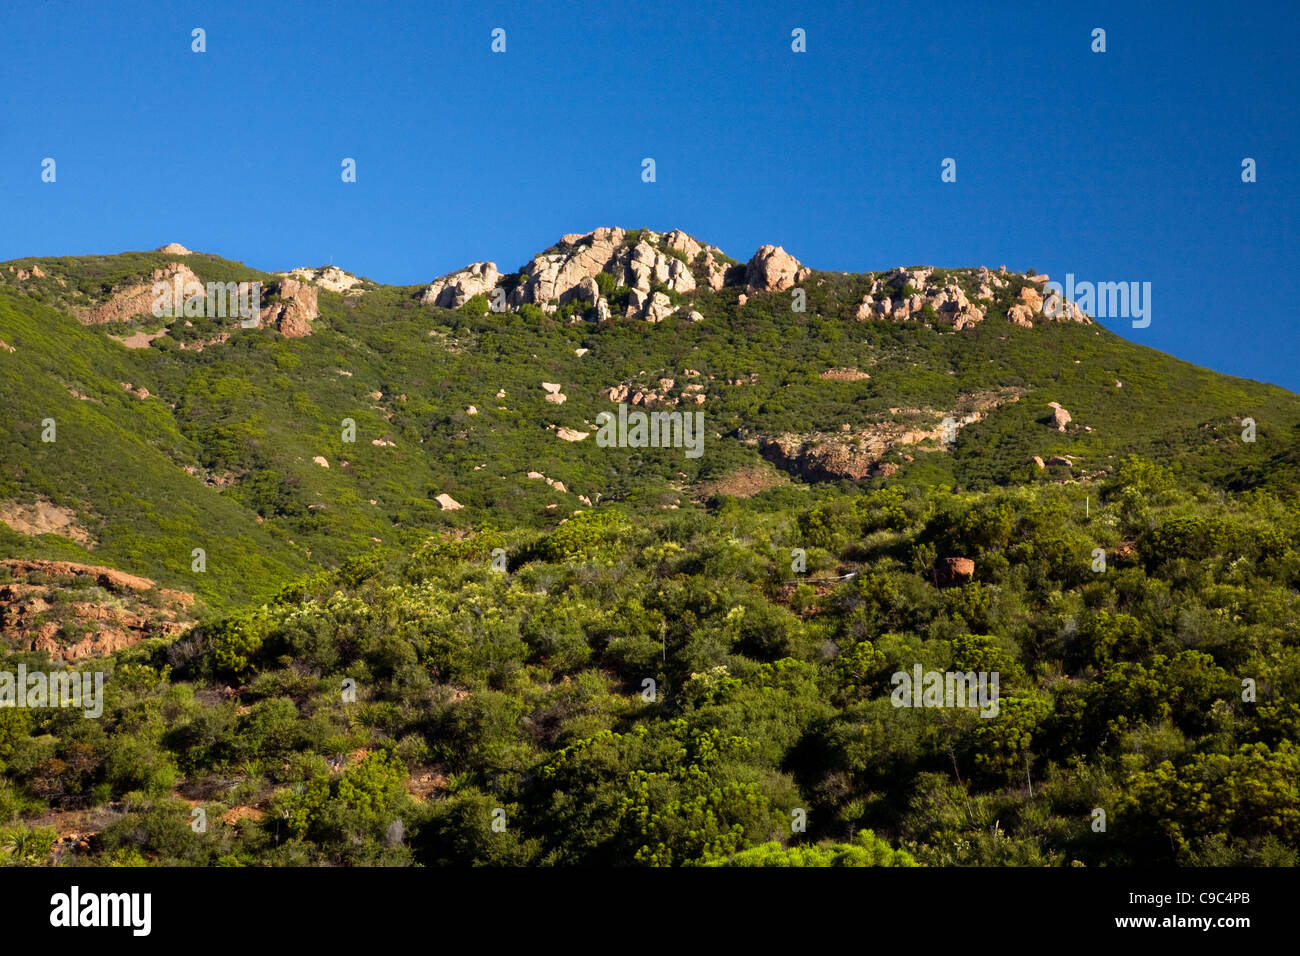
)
(825, 540)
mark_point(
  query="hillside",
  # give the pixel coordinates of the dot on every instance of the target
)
(432, 617)
(232, 440)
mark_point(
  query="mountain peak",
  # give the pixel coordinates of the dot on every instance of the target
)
(642, 274)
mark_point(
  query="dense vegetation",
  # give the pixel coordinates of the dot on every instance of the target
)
(674, 676)
(520, 695)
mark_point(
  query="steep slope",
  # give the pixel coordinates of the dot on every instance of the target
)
(356, 414)
(117, 466)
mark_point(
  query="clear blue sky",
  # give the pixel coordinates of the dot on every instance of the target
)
(1117, 166)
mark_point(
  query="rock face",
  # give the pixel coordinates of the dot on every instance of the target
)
(138, 299)
(174, 249)
(820, 460)
(454, 290)
(859, 454)
(950, 571)
(644, 262)
(33, 619)
(568, 271)
(296, 309)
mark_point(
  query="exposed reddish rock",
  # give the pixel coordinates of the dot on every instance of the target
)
(26, 610)
(295, 311)
(950, 571)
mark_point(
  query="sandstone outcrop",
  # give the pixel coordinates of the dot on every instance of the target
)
(859, 454)
(32, 618)
(772, 269)
(293, 308)
(138, 299)
(327, 277)
(644, 262)
(454, 290)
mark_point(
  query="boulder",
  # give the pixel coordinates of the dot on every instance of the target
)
(1021, 315)
(1032, 298)
(684, 244)
(448, 503)
(1060, 417)
(951, 571)
(659, 308)
(772, 269)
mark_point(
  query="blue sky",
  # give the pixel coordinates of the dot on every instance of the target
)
(1122, 166)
